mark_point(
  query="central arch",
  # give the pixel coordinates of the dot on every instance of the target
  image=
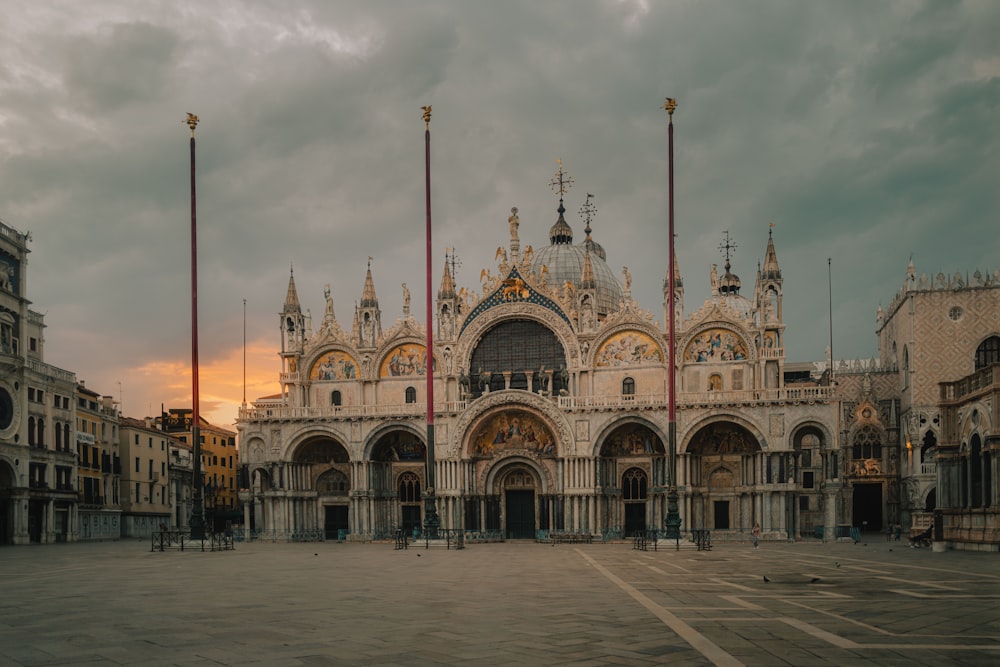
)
(723, 472)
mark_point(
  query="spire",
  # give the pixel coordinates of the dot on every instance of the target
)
(368, 298)
(447, 289)
(561, 233)
(292, 298)
(587, 212)
(730, 282)
(771, 270)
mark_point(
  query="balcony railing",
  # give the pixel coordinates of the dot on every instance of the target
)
(603, 402)
(981, 380)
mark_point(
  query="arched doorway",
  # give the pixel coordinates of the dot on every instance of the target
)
(724, 478)
(635, 483)
(320, 465)
(395, 478)
(519, 485)
(632, 478)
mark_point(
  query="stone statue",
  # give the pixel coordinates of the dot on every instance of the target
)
(329, 300)
(514, 222)
(406, 300)
(628, 278)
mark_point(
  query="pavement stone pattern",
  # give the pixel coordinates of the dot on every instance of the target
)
(275, 604)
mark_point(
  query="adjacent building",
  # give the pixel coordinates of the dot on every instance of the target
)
(219, 464)
(98, 466)
(38, 462)
(145, 482)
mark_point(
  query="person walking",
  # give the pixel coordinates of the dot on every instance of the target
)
(755, 535)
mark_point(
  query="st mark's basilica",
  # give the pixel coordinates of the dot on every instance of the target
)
(551, 409)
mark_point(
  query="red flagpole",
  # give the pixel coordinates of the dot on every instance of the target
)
(432, 521)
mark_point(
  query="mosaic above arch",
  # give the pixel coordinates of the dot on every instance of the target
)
(632, 440)
(405, 360)
(716, 345)
(723, 438)
(335, 365)
(627, 348)
(512, 430)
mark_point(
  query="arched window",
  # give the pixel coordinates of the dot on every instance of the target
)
(335, 398)
(411, 395)
(926, 453)
(516, 346)
(66, 440)
(41, 432)
(628, 387)
(988, 352)
(634, 483)
(31, 430)
(58, 437)
(409, 488)
(867, 444)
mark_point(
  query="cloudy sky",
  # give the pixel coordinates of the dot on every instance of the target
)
(865, 131)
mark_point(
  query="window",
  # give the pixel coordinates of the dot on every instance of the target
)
(988, 352)
(31, 430)
(628, 387)
(634, 484)
(516, 346)
(138, 464)
(33, 344)
(808, 481)
(804, 503)
(137, 438)
(335, 398)
(150, 442)
(409, 488)
(411, 395)
(867, 444)
(138, 494)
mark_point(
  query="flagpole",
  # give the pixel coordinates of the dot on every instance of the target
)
(197, 501)
(432, 522)
(673, 519)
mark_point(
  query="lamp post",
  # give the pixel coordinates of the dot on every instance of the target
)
(432, 522)
(198, 510)
(672, 523)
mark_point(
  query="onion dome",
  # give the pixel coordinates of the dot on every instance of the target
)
(566, 263)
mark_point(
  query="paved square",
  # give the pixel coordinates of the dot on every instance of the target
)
(498, 604)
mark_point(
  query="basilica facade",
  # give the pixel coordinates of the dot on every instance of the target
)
(551, 409)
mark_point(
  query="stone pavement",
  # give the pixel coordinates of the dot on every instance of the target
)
(498, 604)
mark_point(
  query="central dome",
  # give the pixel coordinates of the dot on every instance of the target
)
(565, 262)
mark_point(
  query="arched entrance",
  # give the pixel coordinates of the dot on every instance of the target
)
(519, 485)
(395, 478)
(723, 478)
(632, 478)
(320, 470)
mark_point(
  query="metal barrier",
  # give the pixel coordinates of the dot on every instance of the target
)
(164, 540)
(702, 539)
(401, 540)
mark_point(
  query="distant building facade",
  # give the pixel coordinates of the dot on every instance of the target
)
(146, 496)
(219, 464)
(99, 466)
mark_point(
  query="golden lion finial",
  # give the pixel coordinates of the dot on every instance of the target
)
(192, 122)
(427, 115)
(670, 105)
